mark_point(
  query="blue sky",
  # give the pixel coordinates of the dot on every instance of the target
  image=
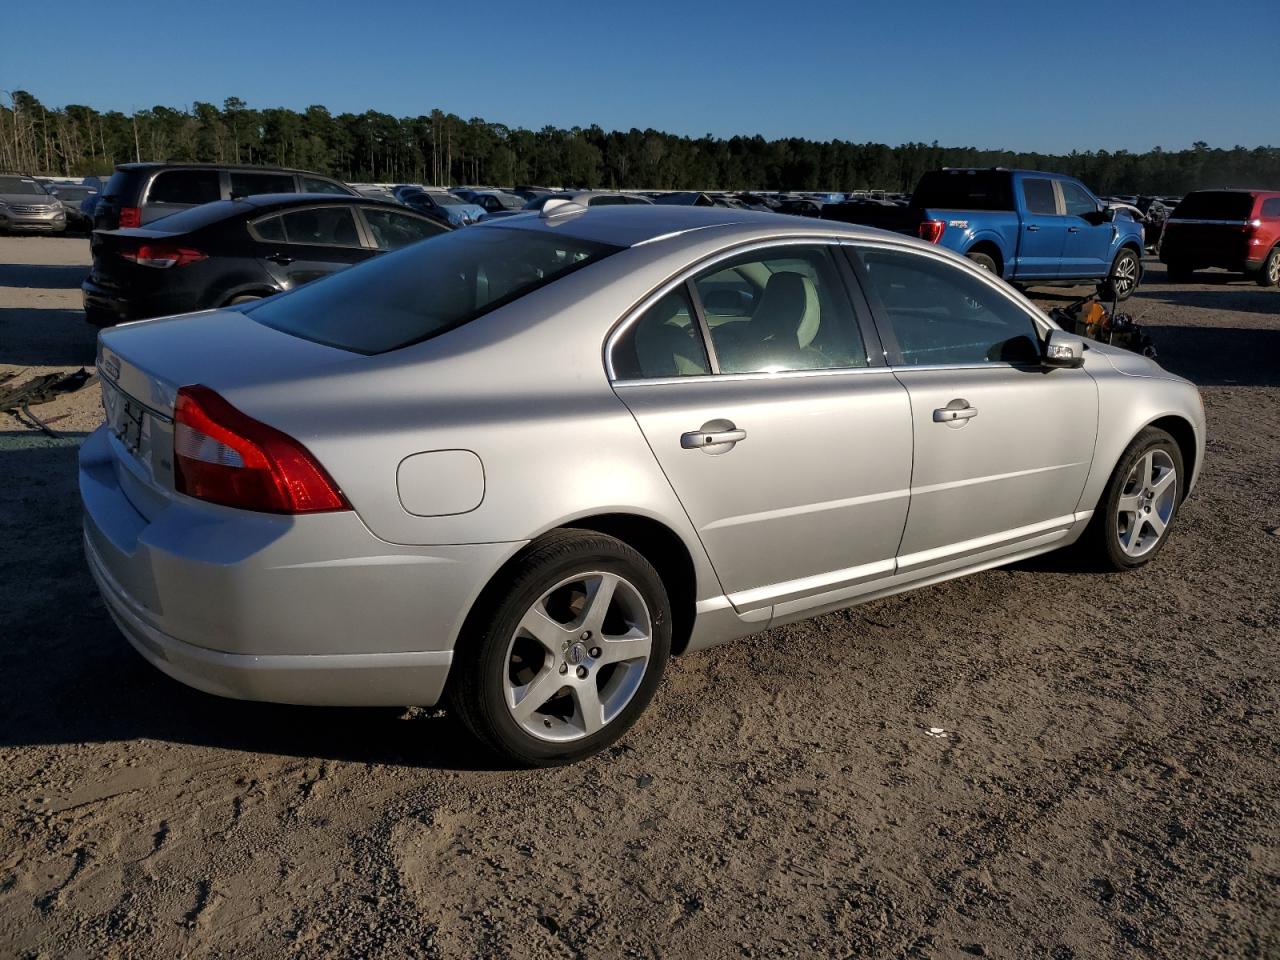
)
(1035, 76)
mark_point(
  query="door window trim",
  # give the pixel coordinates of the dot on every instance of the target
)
(893, 352)
(857, 303)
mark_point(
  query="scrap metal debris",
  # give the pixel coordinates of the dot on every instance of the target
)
(18, 399)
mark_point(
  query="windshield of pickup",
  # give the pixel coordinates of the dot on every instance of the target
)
(965, 190)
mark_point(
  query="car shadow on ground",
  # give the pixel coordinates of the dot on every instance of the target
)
(71, 677)
(43, 277)
(1244, 298)
(49, 338)
(1219, 356)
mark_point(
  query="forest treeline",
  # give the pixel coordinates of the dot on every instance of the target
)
(442, 148)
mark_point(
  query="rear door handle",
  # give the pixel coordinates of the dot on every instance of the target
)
(280, 258)
(954, 411)
(712, 434)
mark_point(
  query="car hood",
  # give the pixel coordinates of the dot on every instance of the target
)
(29, 199)
(1132, 364)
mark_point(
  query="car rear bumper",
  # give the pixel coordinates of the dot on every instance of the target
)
(312, 610)
(136, 305)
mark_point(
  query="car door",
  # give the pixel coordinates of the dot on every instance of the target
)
(301, 245)
(1087, 252)
(757, 387)
(1002, 445)
(1044, 230)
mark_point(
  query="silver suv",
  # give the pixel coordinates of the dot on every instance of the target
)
(25, 205)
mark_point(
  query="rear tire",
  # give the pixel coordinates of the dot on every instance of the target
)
(984, 260)
(585, 667)
(100, 318)
(1138, 506)
(1126, 272)
(1269, 275)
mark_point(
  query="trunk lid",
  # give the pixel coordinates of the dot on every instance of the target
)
(143, 364)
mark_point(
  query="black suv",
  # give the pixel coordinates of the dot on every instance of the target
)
(138, 193)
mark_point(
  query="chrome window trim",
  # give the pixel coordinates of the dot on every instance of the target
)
(759, 375)
(684, 275)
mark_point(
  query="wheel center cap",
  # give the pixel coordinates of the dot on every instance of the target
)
(576, 653)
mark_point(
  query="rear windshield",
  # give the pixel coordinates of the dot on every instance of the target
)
(1215, 205)
(116, 185)
(965, 190)
(426, 289)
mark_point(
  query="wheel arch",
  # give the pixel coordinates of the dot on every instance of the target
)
(992, 249)
(1184, 435)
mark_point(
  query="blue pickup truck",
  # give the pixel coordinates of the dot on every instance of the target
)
(1028, 226)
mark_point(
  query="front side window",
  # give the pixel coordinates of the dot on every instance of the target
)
(1077, 200)
(1039, 198)
(185, 186)
(316, 185)
(253, 184)
(939, 313)
(428, 288)
(323, 226)
(663, 342)
(780, 309)
(393, 230)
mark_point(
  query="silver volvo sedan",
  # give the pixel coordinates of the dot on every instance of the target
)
(517, 467)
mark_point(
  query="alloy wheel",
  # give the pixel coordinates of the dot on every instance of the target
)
(578, 656)
(1146, 503)
(1273, 269)
(1125, 276)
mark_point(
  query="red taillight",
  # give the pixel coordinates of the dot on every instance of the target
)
(931, 230)
(163, 256)
(223, 456)
(130, 216)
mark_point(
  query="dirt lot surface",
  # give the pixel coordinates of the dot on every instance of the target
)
(1104, 782)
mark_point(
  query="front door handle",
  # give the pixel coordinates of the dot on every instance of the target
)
(714, 436)
(1073, 229)
(954, 412)
(280, 258)
(1033, 227)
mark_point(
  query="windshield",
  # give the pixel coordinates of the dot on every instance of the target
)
(21, 186)
(964, 190)
(426, 289)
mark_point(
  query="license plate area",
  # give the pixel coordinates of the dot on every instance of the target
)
(126, 418)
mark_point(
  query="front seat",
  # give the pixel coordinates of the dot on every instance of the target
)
(782, 326)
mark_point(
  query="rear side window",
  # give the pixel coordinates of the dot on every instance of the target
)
(324, 226)
(252, 184)
(664, 342)
(780, 309)
(270, 228)
(424, 290)
(316, 185)
(965, 190)
(942, 314)
(185, 186)
(1270, 208)
(1039, 197)
(1215, 205)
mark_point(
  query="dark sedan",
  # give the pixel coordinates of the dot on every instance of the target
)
(234, 251)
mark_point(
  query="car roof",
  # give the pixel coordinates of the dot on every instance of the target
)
(632, 225)
(248, 167)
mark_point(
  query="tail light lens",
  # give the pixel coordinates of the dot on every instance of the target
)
(163, 256)
(224, 456)
(130, 216)
(931, 230)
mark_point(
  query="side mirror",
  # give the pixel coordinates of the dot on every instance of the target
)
(1108, 214)
(1062, 349)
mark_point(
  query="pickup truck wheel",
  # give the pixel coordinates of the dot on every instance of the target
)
(1123, 279)
(984, 261)
(1269, 275)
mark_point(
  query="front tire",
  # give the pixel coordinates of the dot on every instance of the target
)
(1139, 505)
(1269, 275)
(567, 650)
(1126, 271)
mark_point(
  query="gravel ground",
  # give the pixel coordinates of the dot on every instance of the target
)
(1105, 782)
